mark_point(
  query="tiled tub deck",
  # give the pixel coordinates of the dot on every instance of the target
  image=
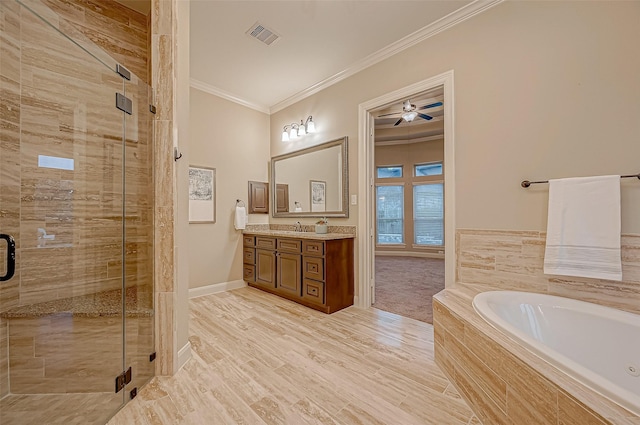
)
(503, 382)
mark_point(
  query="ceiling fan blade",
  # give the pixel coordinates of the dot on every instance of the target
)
(398, 122)
(433, 105)
(425, 117)
(386, 115)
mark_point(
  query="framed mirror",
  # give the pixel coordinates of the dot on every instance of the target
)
(312, 182)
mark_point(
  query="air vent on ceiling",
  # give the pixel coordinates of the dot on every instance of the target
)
(265, 35)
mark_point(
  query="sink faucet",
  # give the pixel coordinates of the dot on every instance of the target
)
(298, 227)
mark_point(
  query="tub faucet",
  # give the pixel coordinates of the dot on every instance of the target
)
(298, 227)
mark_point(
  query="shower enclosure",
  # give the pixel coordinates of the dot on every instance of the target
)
(76, 218)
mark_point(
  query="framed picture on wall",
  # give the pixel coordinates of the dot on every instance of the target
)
(202, 194)
(318, 195)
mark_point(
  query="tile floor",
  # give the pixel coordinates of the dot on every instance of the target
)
(260, 359)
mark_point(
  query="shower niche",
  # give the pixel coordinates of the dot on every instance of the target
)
(76, 197)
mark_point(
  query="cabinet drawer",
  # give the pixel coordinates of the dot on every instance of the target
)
(249, 256)
(313, 291)
(249, 240)
(289, 245)
(265, 242)
(249, 273)
(313, 248)
(313, 268)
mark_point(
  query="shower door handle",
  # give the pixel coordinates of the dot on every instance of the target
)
(11, 257)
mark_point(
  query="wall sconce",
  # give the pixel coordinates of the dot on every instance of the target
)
(294, 130)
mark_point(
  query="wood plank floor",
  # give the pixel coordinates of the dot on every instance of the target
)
(260, 359)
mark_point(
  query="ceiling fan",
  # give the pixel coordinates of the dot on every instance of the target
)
(409, 112)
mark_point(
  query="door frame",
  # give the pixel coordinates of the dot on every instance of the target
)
(366, 148)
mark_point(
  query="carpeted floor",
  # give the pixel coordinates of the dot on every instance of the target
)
(405, 285)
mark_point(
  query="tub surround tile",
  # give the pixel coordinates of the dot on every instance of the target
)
(536, 391)
(514, 260)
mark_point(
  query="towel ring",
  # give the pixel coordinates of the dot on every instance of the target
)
(239, 203)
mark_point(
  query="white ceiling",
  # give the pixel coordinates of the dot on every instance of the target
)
(320, 42)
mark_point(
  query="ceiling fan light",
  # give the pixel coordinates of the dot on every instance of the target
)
(409, 116)
(301, 130)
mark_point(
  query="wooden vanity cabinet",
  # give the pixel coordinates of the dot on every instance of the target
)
(315, 273)
(288, 266)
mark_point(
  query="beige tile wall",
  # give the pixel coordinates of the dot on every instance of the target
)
(4, 359)
(513, 260)
(62, 353)
(163, 21)
(59, 102)
(56, 100)
(120, 31)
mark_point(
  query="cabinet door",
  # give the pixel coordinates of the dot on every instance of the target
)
(289, 273)
(265, 268)
(258, 198)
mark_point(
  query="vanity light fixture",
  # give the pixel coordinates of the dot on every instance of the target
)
(294, 130)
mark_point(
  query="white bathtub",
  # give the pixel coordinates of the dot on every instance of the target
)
(596, 345)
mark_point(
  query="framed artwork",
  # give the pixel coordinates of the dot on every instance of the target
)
(202, 194)
(318, 195)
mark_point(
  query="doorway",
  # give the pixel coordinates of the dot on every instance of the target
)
(409, 204)
(367, 173)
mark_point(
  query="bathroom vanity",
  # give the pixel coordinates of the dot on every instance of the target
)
(315, 270)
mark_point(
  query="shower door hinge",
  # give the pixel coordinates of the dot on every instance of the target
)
(152, 109)
(133, 393)
(124, 72)
(152, 356)
(124, 103)
(123, 379)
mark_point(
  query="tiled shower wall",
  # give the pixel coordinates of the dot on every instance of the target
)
(80, 206)
(31, 60)
(513, 260)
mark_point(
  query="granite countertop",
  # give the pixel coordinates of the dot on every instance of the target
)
(300, 235)
(101, 304)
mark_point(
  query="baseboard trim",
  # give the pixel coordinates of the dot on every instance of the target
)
(409, 254)
(216, 288)
(184, 354)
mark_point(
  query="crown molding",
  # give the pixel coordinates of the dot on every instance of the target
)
(454, 18)
(207, 88)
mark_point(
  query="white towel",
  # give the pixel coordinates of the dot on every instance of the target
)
(240, 218)
(583, 228)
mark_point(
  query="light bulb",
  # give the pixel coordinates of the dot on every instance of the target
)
(311, 127)
(409, 116)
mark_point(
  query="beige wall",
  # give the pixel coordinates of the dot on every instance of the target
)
(407, 155)
(232, 139)
(542, 90)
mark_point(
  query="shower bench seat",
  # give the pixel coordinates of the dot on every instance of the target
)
(76, 344)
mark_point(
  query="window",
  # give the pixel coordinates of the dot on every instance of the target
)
(389, 172)
(428, 218)
(390, 214)
(430, 169)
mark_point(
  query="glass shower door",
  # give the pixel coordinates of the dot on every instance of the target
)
(62, 202)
